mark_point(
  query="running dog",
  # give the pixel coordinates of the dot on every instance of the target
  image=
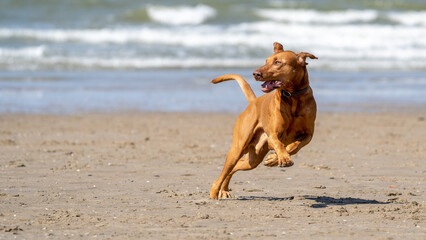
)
(282, 120)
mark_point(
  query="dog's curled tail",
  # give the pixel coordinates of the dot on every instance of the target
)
(248, 92)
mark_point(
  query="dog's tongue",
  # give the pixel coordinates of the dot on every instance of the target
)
(270, 85)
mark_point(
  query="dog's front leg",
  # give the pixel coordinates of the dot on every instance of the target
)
(302, 141)
(292, 148)
(284, 159)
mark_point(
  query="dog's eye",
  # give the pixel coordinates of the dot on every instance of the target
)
(277, 62)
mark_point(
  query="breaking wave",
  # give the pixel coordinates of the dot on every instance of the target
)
(313, 16)
(181, 15)
(197, 36)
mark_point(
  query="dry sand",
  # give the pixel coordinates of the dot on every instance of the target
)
(147, 176)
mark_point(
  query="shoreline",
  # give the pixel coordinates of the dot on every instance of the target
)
(368, 109)
(189, 90)
(147, 175)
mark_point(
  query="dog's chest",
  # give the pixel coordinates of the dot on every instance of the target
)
(297, 127)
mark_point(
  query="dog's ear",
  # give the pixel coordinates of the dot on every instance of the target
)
(301, 58)
(278, 47)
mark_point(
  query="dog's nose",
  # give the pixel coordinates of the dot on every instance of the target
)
(257, 74)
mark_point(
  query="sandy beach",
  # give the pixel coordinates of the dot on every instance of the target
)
(110, 127)
(147, 176)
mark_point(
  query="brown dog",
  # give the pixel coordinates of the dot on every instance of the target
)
(282, 120)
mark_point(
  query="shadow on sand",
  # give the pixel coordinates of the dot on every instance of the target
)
(246, 198)
(322, 201)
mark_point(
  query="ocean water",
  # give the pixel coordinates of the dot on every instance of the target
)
(191, 91)
(107, 55)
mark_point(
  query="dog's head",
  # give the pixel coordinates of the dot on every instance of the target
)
(283, 69)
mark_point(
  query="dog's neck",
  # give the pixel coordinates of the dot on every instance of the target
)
(298, 88)
(285, 94)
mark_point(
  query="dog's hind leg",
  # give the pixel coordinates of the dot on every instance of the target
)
(243, 133)
(250, 161)
(232, 158)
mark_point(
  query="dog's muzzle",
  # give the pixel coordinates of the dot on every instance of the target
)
(268, 86)
(257, 75)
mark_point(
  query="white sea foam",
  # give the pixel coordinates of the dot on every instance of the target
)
(146, 63)
(29, 52)
(313, 16)
(180, 15)
(340, 47)
(409, 18)
(339, 61)
(81, 35)
(257, 34)
(115, 35)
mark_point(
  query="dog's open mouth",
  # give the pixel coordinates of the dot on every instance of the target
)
(270, 85)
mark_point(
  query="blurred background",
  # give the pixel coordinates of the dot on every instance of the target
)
(62, 56)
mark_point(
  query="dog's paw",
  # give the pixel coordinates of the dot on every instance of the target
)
(271, 160)
(285, 162)
(214, 194)
(224, 194)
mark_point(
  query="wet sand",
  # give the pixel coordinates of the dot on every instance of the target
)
(147, 176)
